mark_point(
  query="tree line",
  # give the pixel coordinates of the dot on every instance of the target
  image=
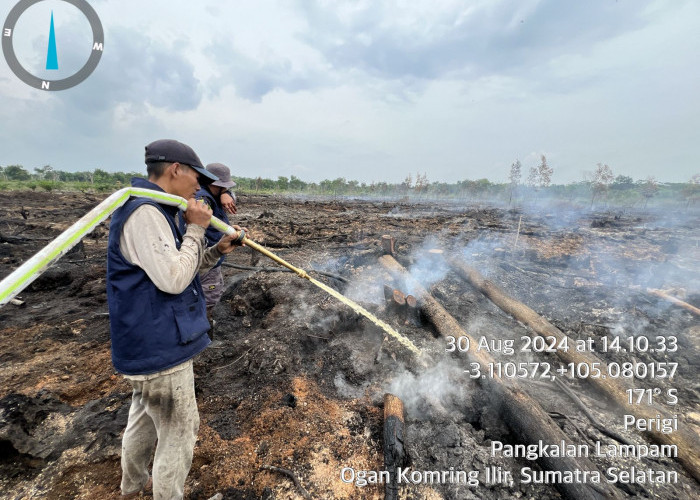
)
(600, 187)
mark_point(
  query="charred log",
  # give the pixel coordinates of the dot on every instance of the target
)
(394, 453)
(395, 301)
(413, 311)
(399, 298)
(388, 293)
(388, 244)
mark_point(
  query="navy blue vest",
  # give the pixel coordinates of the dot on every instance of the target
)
(212, 234)
(151, 330)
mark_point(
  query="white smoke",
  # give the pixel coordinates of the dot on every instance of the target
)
(437, 389)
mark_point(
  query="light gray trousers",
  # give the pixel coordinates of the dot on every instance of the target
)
(163, 409)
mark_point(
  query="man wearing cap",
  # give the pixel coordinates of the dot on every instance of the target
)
(212, 195)
(158, 319)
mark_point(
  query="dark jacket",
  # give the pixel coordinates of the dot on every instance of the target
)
(151, 330)
(212, 234)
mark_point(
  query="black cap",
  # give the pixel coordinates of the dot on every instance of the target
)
(173, 151)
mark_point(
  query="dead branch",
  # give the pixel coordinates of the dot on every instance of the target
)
(378, 356)
(517, 235)
(573, 423)
(523, 415)
(594, 421)
(291, 475)
(232, 362)
(317, 336)
(674, 300)
(281, 270)
(614, 389)
(19, 240)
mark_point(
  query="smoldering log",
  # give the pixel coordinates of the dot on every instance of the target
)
(522, 414)
(674, 300)
(413, 310)
(399, 298)
(395, 300)
(614, 389)
(394, 453)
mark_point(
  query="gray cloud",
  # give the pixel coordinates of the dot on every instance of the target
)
(253, 78)
(135, 72)
(460, 40)
(138, 69)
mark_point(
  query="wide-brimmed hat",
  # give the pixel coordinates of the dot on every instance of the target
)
(170, 150)
(223, 173)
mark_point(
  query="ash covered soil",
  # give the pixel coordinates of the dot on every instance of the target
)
(296, 379)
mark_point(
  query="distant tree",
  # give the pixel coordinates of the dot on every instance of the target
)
(2, 173)
(295, 184)
(282, 183)
(602, 179)
(514, 177)
(45, 172)
(407, 183)
(16, 173)
(545, 173)
(421, 182)
(650, 188)
(691, 191)
(623, 182)
(533, 178)
(338, 186)
(100, 176)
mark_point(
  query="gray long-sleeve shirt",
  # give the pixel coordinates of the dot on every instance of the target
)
(147, 242)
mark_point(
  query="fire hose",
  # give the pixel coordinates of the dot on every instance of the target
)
(24, 275)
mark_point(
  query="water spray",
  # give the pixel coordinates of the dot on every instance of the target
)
(24, 275)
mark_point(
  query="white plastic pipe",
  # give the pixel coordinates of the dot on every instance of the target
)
(25, 274)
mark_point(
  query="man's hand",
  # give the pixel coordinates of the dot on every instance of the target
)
(228, 202)
(228, 242)
(198, 213)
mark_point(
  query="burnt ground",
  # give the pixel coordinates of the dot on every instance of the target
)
(297, 379)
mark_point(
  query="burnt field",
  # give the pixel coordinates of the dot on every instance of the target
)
(296, 379)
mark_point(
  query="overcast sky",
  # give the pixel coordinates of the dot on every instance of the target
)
(366, 90)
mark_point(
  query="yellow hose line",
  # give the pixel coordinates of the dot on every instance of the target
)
(221, 226)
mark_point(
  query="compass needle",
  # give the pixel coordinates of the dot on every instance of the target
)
(94, 48)
(51, 54)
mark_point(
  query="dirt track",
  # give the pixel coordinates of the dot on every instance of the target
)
(62, 407)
